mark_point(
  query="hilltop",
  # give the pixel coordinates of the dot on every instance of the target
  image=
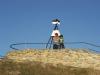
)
(51, 62)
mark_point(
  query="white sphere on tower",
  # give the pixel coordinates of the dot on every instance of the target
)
(54, 32)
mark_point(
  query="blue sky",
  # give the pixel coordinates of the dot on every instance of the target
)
(30, 21)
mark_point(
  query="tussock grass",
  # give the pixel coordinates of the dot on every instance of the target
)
(9, 67)
(50, 62)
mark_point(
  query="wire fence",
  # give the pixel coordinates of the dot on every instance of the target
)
(84, 45)
(1, 57)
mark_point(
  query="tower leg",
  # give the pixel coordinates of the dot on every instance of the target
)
(56, 27)
(50, 39)
(50, 43)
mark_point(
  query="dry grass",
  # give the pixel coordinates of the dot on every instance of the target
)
(50, 62)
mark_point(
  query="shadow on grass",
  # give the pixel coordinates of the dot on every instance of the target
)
(8, 67)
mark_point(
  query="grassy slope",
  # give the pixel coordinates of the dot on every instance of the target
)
(50, 62)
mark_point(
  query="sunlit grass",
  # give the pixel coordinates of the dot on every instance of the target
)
(50, 62)
(8, 67)
(77, 58)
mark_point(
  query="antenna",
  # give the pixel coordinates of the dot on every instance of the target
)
(55, 22)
